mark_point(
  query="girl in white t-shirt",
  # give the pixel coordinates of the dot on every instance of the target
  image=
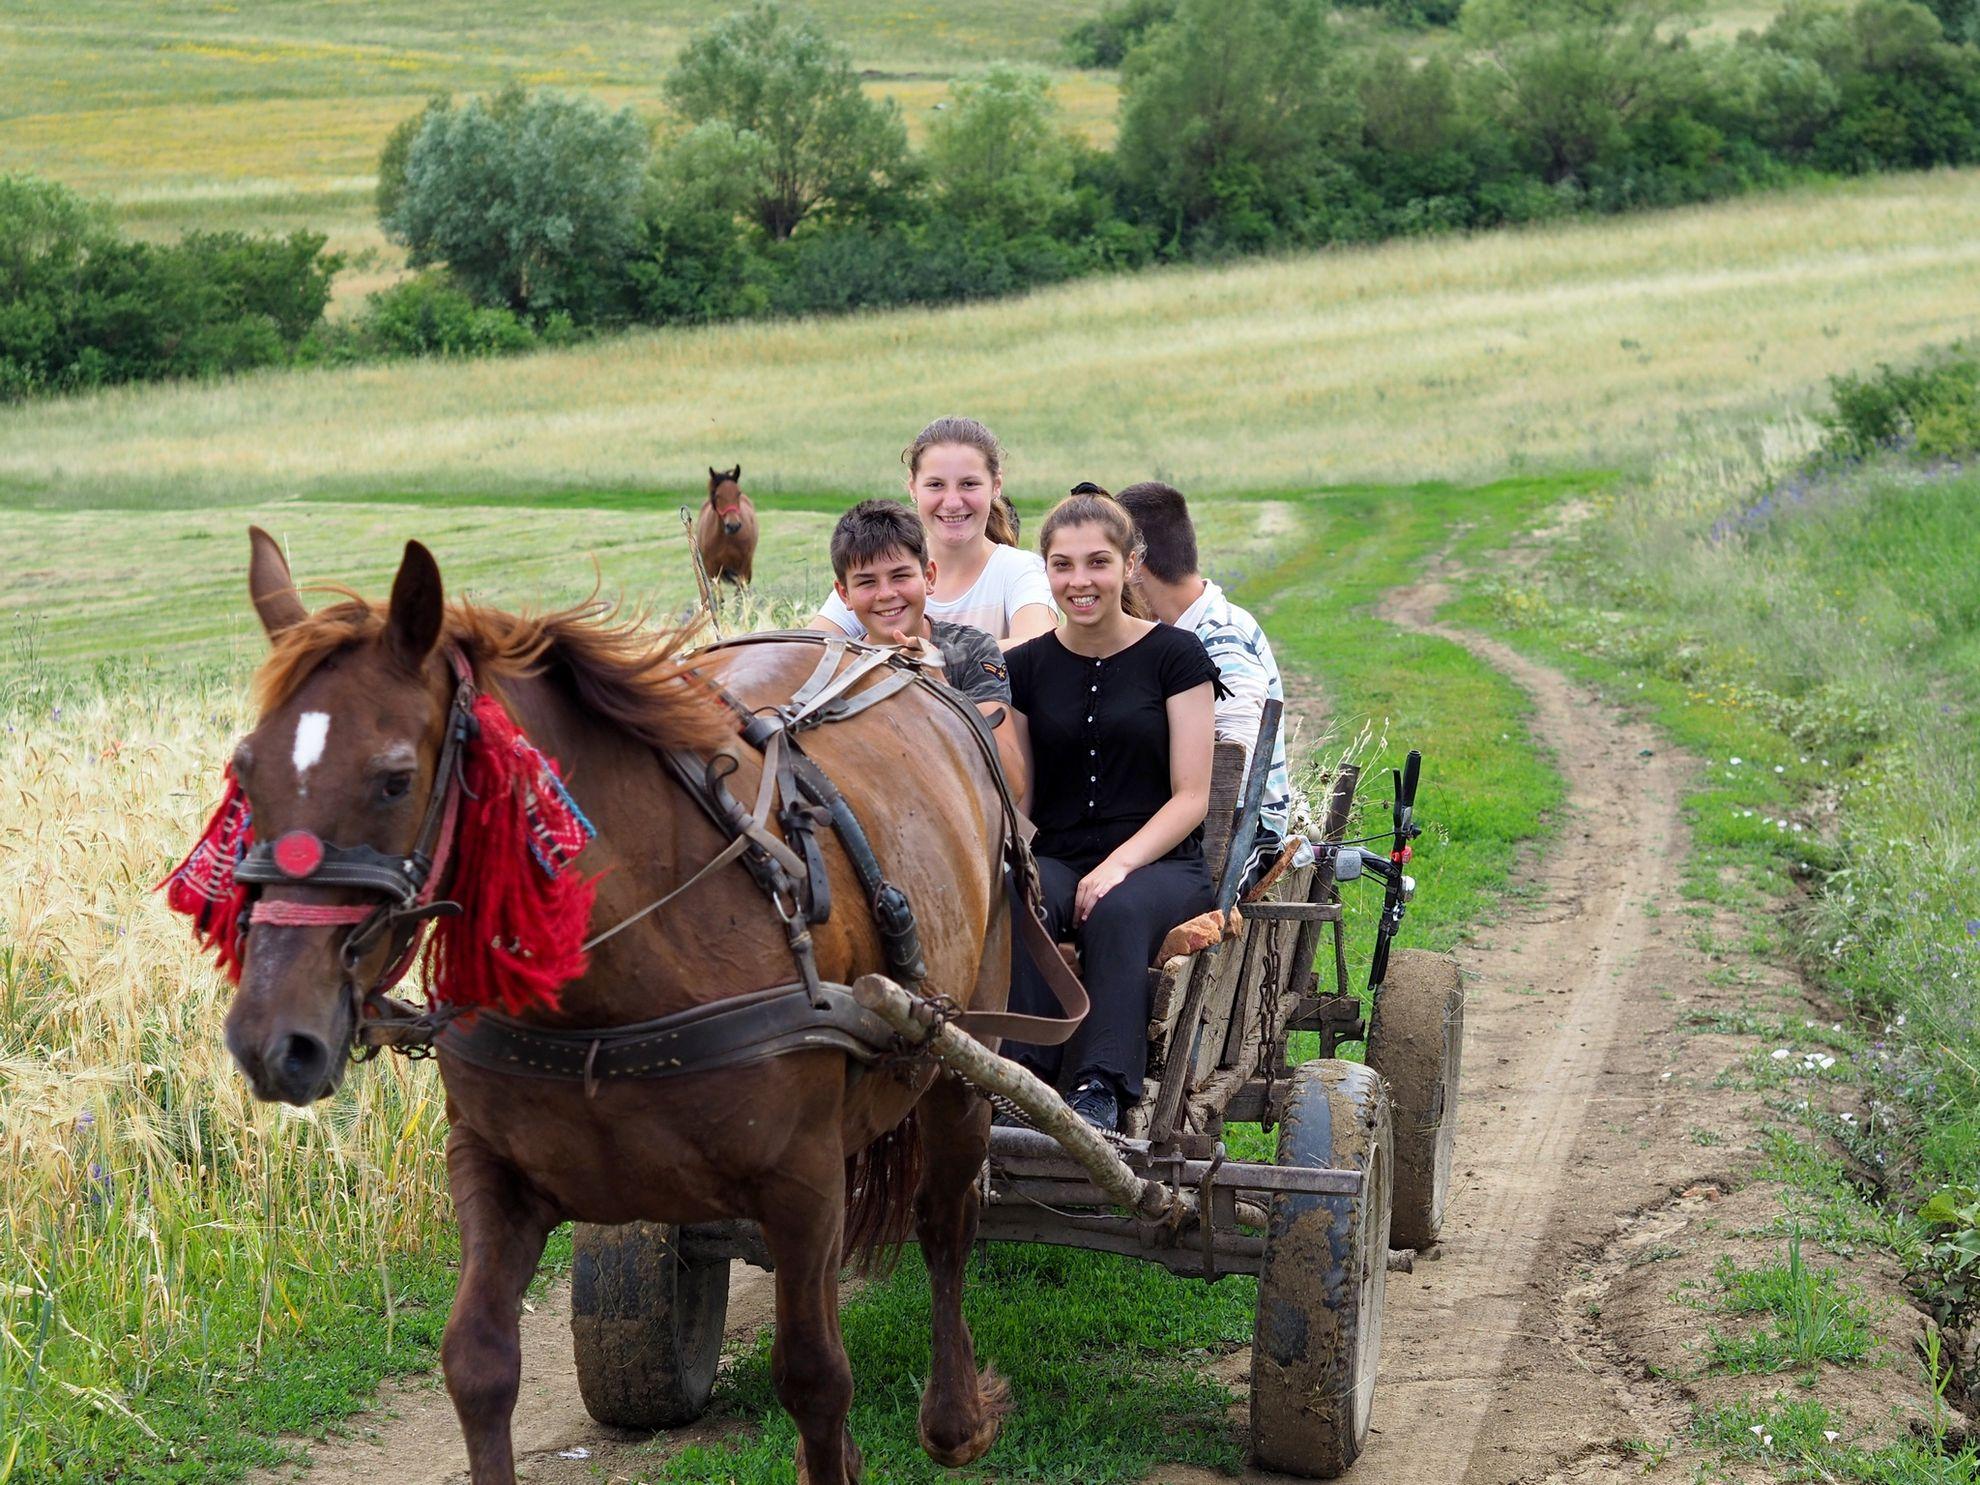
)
(982, 577)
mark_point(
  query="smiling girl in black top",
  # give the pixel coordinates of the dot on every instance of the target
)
(1116, 716)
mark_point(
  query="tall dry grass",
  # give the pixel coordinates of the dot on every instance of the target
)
(152, 1216)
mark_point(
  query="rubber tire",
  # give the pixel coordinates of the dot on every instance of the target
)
(646, 1327)
(1416, 1042)
(1318, 1334)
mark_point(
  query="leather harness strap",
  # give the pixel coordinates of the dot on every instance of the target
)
(807, 1013)
(726, 1033)
(827, 702)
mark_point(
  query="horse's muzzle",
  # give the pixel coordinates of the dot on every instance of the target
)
(295, 1067)
(731, 526)
(291, 1048)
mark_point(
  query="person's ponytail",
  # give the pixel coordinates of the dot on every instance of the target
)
(1000, 522)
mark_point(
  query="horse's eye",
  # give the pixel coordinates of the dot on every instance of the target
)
(398, 785)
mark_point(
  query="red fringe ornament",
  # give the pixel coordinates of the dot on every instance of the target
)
(520, 936)
(203, 887)
(524, 907)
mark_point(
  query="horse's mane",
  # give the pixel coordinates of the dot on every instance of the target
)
(621, 671)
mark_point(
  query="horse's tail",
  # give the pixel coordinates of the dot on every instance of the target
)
(880, 1185)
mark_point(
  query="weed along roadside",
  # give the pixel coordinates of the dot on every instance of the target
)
(1808, 631)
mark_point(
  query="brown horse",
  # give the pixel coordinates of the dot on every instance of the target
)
(725, 532)
(354, 711)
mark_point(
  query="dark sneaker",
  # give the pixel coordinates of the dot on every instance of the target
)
(1095, 1101)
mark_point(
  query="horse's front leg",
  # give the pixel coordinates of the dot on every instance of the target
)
(807, 1357)
(504, 1223)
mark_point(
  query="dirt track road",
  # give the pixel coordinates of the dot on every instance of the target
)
(1578, 1093)
(1567, 1121)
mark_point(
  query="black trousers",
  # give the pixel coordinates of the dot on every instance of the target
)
(1116, 945)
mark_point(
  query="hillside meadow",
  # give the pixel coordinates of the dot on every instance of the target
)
(1585, 343)
(211, 115)
(214, 115)
(166, 589)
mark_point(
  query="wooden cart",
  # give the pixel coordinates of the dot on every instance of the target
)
(1363, 1158)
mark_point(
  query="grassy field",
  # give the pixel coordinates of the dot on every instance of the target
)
(264, 116)
(160, 589)
(1456, 358)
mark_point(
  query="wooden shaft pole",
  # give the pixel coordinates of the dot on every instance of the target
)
(1049, 1113)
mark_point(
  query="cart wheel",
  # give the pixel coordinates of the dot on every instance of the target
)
(1319, 1327)
(646, 1326)
(1415, 1041)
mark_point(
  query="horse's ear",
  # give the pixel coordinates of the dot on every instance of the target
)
(412, 627)
(714, 474)
(270, 586)
(736, 474)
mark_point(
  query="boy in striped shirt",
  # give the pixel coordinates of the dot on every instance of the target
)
(1178, 594)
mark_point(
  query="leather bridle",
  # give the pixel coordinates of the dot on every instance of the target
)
(407, 885)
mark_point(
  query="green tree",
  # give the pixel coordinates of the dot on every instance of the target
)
(1229, 119)
(391, 187)
(999, 155)
(531, 200)
(827, 149)
(1893, 92)
(1105, 40)
(1572, 82)
(81, 306)
(697, 262)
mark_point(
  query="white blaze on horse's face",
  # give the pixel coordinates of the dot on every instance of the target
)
(312, 732)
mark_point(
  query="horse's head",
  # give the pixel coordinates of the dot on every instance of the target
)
(725, 494)
(338, 771)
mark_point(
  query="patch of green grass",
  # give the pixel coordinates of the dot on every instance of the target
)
(1822, 1199)
(1105, 1357)
(1486, 785)
(1812, 1320)
(1815, 642)
(1799, 1439)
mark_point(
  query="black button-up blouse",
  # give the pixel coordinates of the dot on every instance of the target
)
(1100, 737)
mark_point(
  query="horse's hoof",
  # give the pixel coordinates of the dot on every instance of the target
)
(993, 1399)
(855, 1463)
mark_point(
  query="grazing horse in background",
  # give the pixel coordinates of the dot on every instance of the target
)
(725, 533)
(357, 703)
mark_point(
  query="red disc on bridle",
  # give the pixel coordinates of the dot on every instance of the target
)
(299, 853)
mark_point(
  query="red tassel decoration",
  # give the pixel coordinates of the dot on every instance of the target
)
(524, 907)
(203, 887)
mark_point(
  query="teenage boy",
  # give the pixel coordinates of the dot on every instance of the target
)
(883, 574)
(1178, 594)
